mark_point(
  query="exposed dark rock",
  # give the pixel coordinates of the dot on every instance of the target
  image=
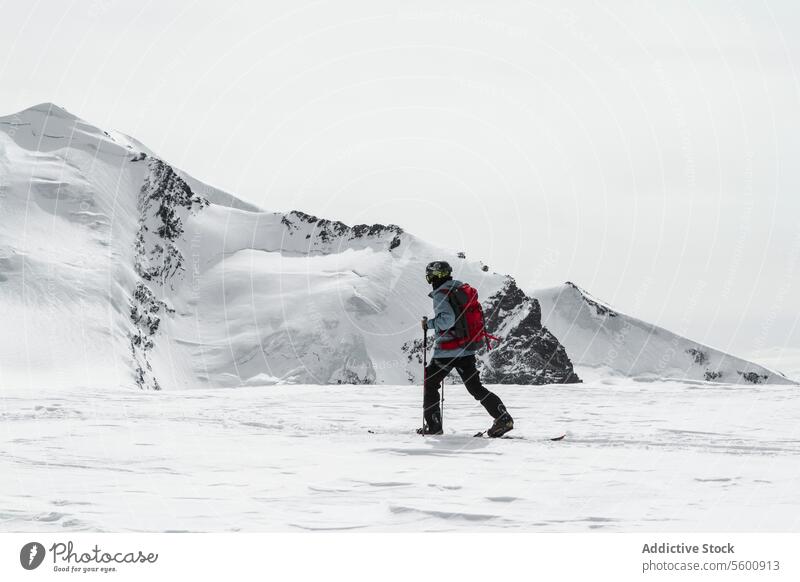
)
(507, 301)
(164, 201)
(328, 230)
(413, 351)
(710, 376)
(528, 352)
(598, 307)
(753, 377)
(700, 357)
(351, 377)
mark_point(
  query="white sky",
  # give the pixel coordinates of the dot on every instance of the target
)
(647, 151)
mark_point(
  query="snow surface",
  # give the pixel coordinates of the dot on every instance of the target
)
(658, 456)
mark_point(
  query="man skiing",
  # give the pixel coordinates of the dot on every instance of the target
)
(456, 343)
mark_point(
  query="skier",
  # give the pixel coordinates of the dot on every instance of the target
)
(455, 347)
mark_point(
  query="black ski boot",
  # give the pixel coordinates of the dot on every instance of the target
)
(501, 426)
(432, 424)
(425, 430)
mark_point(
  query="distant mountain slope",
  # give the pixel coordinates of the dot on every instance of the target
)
(67, 227)
(597, 336)
(116, 268)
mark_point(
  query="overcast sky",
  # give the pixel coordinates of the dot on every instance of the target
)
(648, 151)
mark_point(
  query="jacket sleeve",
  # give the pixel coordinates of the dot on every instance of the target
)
(444, 318)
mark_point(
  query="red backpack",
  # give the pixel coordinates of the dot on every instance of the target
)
(469, 330)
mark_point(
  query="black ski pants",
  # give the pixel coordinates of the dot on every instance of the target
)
(437, 370)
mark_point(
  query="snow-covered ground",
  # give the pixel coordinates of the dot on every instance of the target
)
(660, 456)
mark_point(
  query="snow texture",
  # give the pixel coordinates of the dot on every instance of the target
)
(638, 456)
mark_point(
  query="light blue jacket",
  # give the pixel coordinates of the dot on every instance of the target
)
(443, 319)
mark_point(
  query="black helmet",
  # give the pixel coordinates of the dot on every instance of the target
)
(438, 270)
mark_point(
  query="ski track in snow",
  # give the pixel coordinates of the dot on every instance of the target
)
(655, 456)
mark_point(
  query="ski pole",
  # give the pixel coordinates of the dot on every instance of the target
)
(443, 379)
(424, 367)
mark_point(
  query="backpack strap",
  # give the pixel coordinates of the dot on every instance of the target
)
(457, 299)
(487, 337)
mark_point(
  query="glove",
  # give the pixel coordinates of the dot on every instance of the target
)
(425, 324)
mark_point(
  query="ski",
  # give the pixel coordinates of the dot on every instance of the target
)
(482, 434)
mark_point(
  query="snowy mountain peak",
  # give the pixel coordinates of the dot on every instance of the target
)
(119, 269)
(43, 118)
(125, 270)
(47, 109)
(600, 308)
(42, 113)
(600, 339)
(46, 127)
